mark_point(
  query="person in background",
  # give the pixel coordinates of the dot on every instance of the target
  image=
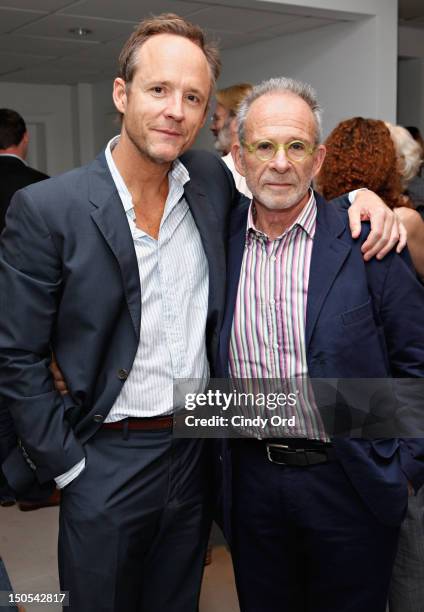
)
(224, 127)
(14, 174)
(14, 171)
(416, 184)
(361, 153)
(228, 100)
(416, 135)
(410, 156)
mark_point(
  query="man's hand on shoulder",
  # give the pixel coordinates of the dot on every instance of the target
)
(387, 231)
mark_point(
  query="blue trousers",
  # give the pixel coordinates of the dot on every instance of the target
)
(7, 442)
(134, 525)
(303, 539)
(407, 586)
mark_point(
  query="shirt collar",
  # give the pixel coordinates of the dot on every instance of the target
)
(178, 174)
(306, 219)
(13, 155)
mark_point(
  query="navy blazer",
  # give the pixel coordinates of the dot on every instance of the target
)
(14, 175)
(69, 282)
(364, 320)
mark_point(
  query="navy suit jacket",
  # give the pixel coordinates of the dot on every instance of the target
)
(364, 320)
(69, 282)
(14, 175)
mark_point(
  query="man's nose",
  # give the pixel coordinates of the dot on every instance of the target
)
(175, 108)
(280, 160)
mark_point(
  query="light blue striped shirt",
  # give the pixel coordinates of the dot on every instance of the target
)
(174, 300)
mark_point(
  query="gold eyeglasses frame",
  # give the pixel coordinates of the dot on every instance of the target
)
(253, 148)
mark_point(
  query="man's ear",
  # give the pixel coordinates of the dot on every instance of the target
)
(237, 154)
(120, 94)
(319, 156)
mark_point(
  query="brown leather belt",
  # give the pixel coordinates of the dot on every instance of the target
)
(162, 422)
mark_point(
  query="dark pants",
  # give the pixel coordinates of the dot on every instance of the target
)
(407, 586)
(7, 442)
(5, 586)
(134, 525)
(303, 540)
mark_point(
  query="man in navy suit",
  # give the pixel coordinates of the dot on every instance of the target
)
(119, 267)
(313, 518)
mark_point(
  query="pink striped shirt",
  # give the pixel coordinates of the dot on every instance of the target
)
(268, 332)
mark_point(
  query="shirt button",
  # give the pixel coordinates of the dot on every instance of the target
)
(98, 418)
(272, 301)
(273, 258)
(122, 374)
(276, 346)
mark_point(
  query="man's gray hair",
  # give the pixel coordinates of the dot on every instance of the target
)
(281, 85)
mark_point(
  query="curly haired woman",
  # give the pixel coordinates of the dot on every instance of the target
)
(361, 153)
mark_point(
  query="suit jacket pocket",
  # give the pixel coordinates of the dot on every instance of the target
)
(358, 314)
(73, 412)
(385, 449)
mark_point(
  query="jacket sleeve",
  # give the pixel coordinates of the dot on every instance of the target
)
(30, 290)
(401, 309)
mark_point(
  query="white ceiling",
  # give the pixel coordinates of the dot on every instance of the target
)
(36, 45)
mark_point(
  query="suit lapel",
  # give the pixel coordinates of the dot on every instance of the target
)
(110, 218)
(328, 255)
(235, 257)
(212, 240)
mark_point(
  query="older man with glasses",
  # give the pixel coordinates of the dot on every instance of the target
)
(313, 518)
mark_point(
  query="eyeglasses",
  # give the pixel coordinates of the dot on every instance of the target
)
(265, 150)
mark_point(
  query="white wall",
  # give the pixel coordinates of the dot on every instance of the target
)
(75, 121)
(411, 93)
(50, 106)
(105, 119)
(352, 64)
(411, 42)
(411, 78)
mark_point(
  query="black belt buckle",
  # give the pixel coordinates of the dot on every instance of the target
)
(282, 454)
(269, 449)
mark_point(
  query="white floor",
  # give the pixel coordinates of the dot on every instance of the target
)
(28, 543)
